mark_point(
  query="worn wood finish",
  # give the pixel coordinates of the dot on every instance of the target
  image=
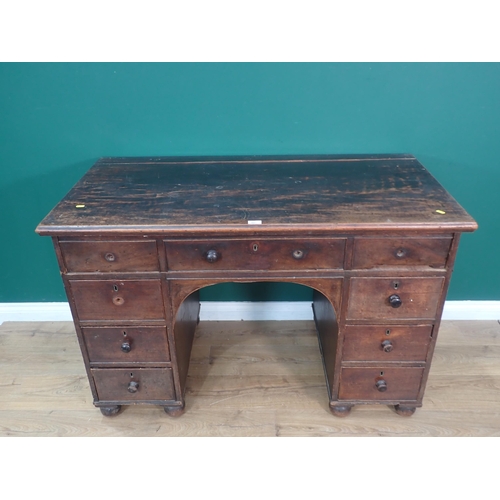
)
(127, 345)
(156, 194)
(186, 320)
(386, 343)
(109, 256)
(117, 299)
(380, 384)
(137, 384)
(369, 298)
(326, 322)
(374, 236)
(256, 254)
(408, 252)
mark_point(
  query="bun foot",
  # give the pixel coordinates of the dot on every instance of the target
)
(341, 410)
(174, 411)
(110, 411)
(405, 411)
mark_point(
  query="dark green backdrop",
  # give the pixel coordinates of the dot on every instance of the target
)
(57, 119)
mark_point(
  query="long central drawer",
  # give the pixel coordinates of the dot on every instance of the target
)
(277, 254)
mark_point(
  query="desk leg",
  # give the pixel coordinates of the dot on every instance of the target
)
(405, 410)
(174, 411)
(340, 410)
(110, 411)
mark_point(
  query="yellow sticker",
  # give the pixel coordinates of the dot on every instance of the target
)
(79, 206)
(442, 212)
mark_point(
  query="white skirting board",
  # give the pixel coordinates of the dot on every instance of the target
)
(244, 311)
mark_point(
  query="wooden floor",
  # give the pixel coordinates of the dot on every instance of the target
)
(246, 379)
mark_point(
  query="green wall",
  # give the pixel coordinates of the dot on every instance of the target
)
(57, 119)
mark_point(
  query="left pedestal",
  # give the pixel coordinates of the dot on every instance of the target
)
(131, 343)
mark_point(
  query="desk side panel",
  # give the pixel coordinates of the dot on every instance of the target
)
(328, 335)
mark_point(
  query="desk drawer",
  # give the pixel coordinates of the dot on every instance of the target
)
(117, 299)
(379, 252)
(116, 384)
(380, 384)
(394, 298)
(391, 343)
(127, 345)
(255, 254)
(109, 256)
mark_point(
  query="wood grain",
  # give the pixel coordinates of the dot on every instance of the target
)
(118, 298)
(322, 192)
(366, 343)
(377, 252)
(370, 298)
(44, 389)
(136, 237)
(109, 256)
(256, 254)
(148, 345)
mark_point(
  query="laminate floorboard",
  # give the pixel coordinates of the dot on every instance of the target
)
(246, 379)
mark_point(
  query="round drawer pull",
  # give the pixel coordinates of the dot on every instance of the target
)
(110, 257)
(118, 301)
(400, 253)
(126, 347)
(133, 386)
(381, 385)
(212, 256)
(395, 301)
(298, 254)
(387, 346)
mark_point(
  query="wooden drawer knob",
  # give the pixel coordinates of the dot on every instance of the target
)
(133, 386)
(110, 257)
(387, 346)
(126, 347)
(395, 300)
(212, 256)
(298, 254)
(118, 301)
(400, 253)
(381, 385)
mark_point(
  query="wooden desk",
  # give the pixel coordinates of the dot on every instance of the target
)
(375, 237)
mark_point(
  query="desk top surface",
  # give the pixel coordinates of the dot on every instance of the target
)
(257, 194)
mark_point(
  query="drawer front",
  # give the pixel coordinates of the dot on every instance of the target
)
(391, 343)
(255, 254)
(394, 298)
(109, 256)
(115, 384)
(379, 252)
(117, 299)
(127, 345)
(380, 384)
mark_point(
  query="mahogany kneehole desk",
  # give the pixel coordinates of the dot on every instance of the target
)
(375, 237)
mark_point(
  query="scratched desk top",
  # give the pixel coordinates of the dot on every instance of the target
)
(257, 193)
